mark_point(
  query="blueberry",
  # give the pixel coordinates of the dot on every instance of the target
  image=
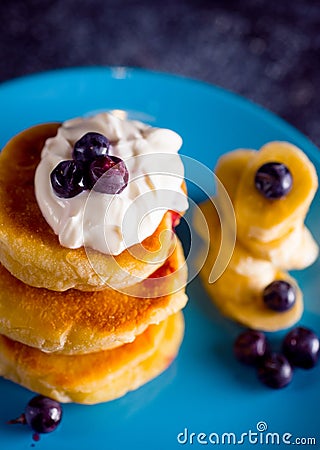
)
(279, 295)
(67, 179)
(275, 371)
(89, 147)
(108, 174)
(250, 346)
(301, 347)
(43, 414)
(273, 180)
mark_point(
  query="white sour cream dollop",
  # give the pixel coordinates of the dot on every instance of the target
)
(112, 223)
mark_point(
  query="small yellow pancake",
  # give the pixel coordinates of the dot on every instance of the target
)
(31, 251)
(95, 377)
(73, 322)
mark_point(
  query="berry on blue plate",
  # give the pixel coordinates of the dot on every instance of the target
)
(250, 346)
(275, 371)
(301, 347)
(43, 414)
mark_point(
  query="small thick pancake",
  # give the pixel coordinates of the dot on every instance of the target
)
(31, 251)
(95, 377)
(73, 322)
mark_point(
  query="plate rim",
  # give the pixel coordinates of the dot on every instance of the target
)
(254, 108)
(125, 72)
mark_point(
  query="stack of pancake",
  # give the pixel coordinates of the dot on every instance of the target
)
(64, 332)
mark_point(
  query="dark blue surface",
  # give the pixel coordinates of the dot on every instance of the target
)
(205, 390)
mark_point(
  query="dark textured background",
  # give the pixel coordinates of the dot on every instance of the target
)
(266, 50)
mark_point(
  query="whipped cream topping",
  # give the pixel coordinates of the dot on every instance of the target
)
(112, 223)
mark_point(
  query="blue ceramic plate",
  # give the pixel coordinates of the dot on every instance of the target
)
(205, 390)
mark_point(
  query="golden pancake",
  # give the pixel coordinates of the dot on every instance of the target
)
(31, 251)
(95, 377)
(73, 322)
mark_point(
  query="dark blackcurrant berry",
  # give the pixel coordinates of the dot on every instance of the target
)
(43, 414)
(250, 346)
(301, 347)
(67, 179)
(273, 180)
(279, 295)
(89, 147)
(275, 371)
(108, 174)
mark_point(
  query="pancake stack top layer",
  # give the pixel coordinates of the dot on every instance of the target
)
(79, 324)
(30, 249)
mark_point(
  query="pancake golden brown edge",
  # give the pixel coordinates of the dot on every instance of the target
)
(95, 377)
(74, 322)
(30, 250)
